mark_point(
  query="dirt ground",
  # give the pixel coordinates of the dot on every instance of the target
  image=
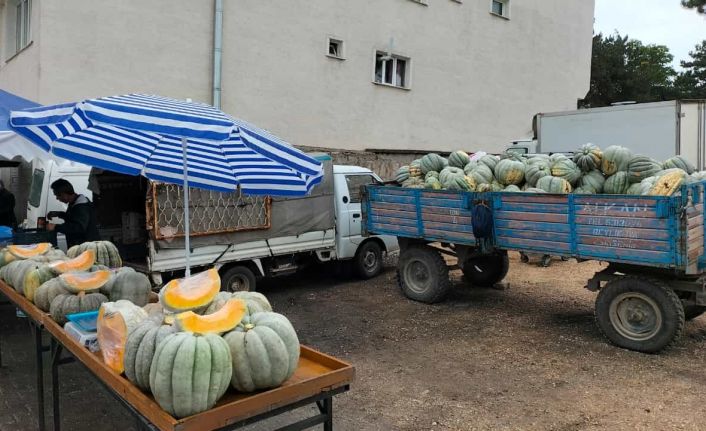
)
(526, 358)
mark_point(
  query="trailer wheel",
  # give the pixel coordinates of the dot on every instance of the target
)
(639, 314)
(422, 274)
(691, 312)
(368, 260)
(486, 271)
(238, 279)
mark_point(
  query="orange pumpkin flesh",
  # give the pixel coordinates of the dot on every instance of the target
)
(223, 320)
(112, 337)
(85, 281)
(82, 262)
(31, 250)
(191, 293)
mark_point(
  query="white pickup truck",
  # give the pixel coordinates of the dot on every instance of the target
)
(247, 237)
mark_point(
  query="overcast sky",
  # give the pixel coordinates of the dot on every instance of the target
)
(661, 22)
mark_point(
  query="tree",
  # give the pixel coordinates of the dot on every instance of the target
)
(624, 69)
(699, 5)
(691, 82)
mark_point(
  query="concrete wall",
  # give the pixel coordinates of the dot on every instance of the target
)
(477, 79)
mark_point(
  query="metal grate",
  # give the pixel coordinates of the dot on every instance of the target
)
(210, 212)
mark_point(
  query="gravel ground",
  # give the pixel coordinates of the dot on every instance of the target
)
(529, 357)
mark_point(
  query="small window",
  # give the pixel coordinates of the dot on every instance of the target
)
(23, 13)
(35, 190)
(354, 184)
(391, 70)
(335, 48)
(500, 8)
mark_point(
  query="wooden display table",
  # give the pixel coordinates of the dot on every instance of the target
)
(317, 379)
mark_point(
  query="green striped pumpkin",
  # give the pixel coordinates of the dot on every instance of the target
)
(536, 169)
(641, 167)
(554, 185)
(509, 171)
(432, 183)
(431, 174)
(450, 172)
(592, 180)
(490, 161)
(566, 169)
(471, 165)
(588, 157)
(402, 174)
(432, 162)
(617, 184)
(482, 174)
(615, 159)
(512, 188)
(459, 159)
(679, 162)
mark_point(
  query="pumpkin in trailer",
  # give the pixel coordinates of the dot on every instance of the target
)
(431, 174)
(641, 167)
(126, 283)
(585, 190)
(82, 262)
(472, 165)
(667, 182)
(265, 351)
(432, 183)
(566, 169)
(459, 159)
(588, 157)
(223, 320)
(510, 171)
(191, 293)
(116, 321)
(414, 183)
(617, 184)
(190, 373)
(448, 173)
(615, 159)
(680, 163)
(29, 250)
(512, 189)
(415, 168)
(490, 161)
(555, 185)
(140, 348)
(593, 180)
(76, 282)
(67, 303)
(634, 189)
(432, 162)
(536, 169)
(402, 174)
(482, 174)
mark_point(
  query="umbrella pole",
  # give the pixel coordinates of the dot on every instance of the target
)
(187, 246)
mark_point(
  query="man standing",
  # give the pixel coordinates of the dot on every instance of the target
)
(79, 219)
(7, 207)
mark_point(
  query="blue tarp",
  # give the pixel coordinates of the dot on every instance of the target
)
(10, 102)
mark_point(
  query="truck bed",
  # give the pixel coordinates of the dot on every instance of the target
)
(655, 231)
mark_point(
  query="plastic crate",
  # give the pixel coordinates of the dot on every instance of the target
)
(34, 236)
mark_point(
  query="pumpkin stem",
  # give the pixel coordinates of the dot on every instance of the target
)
(249, 326)
(81, 294)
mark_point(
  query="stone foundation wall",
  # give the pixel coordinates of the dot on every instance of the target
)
(382, 163)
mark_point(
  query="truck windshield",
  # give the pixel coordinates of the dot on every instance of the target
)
(35, 191)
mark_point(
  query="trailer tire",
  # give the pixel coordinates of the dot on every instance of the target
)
(238, 279)
(422, 274)
(691, 312)
(639, 313)
(486, 271)
(368, 260)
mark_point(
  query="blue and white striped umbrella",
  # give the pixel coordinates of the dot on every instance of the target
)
(141, 134)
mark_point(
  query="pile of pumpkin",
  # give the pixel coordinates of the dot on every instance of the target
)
(196, 342)
(588, 171)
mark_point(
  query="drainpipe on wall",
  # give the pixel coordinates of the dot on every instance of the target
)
(217, 52)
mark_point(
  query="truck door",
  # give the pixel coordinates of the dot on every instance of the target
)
(353, 207)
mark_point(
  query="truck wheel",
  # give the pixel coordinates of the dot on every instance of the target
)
(691, 312)
(422, 274)
(368, 260)
(485, 271)
(639, 314)
(238, 279)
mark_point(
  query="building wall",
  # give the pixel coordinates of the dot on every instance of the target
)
(19, 73)
(477, 79)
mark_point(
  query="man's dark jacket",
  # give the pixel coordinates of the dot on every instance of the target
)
(7, 208)
(80, 223)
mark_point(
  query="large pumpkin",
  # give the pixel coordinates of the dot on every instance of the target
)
(617, 184)
(615, 159)
(510, 171)
(566, 169)
(190, 373)
(472, 165)
(116, 321)
(67, 303)
(592, 180)
(588, 157)
(45, 294)
(35, 278)
(106, 252)
(402, 174)
(265, 352)
(432, 162)
(450, 172)
(634, 189)
(554, 185)
(482, 174)
(432, 183)
(536, 169)
(459, 159)
(667, 182)
(490, 161)
(414, 183)
(415, 168)
(191, 293)
(679, 162)
(140, 347)
(14, 273)
(128, 284)
(641, 167)
(512, 188)
(255, 301)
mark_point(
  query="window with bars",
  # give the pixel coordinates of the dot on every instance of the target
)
(391, 70)
(500, 8)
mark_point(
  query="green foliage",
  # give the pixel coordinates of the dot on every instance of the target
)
(691, 82)
(699, 5)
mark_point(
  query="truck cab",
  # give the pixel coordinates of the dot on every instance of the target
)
(365, 252)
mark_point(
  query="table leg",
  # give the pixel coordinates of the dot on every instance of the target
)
(328, 411)
(39, 348)
(56, 349)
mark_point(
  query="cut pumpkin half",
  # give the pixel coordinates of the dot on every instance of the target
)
(30, 250)
(76, 282)
(82, 262)
(223, 320)
(191, 293)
